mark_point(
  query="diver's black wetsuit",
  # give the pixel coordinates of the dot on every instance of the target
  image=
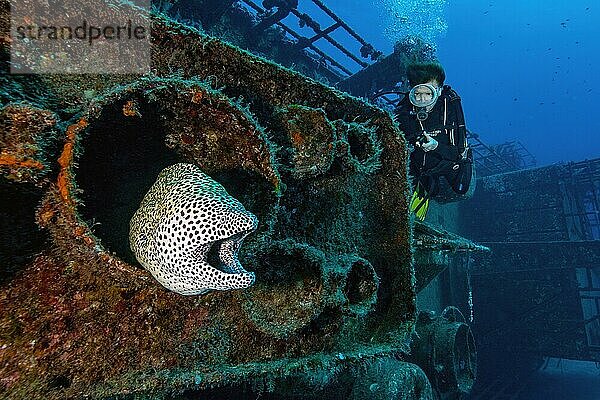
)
(446, 124)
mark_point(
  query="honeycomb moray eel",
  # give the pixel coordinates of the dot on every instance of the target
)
(181, 218)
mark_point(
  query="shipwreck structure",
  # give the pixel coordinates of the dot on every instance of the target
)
(335, 254)
(536, 294)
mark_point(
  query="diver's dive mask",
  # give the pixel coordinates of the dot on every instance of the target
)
(423, 96)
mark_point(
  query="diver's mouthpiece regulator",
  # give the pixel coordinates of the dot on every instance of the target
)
(422, 114)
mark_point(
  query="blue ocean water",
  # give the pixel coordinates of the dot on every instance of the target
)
(526, 69)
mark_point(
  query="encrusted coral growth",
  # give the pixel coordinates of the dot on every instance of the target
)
(329, 287)
(28, 142)
(313, 142)
(360, 146)
(217, 134)
(232, 22)
(27, 137)
(80, 325)
(360, 284)
(392, 379)
(445, 348)
(332, 250)
(287, 271)
(309, 141)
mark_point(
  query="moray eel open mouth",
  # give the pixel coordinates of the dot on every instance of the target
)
(223, 254)
(188, 232)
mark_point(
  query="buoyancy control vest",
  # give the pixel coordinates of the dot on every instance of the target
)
(446, 124)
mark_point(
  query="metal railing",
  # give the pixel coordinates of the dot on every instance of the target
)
(498, 159)
(581, 181)
(289, 7)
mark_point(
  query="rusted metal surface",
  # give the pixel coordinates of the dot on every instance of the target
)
(84, 319)
(445, 348)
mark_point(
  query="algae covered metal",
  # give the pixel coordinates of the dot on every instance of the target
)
(323, 172)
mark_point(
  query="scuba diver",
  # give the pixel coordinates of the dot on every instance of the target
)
(433, 122)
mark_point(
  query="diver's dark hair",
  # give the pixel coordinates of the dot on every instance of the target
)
(422, 72)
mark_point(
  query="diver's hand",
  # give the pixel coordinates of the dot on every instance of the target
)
(430, 144)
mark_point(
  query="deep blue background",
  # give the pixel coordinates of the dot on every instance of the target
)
(526, 70)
